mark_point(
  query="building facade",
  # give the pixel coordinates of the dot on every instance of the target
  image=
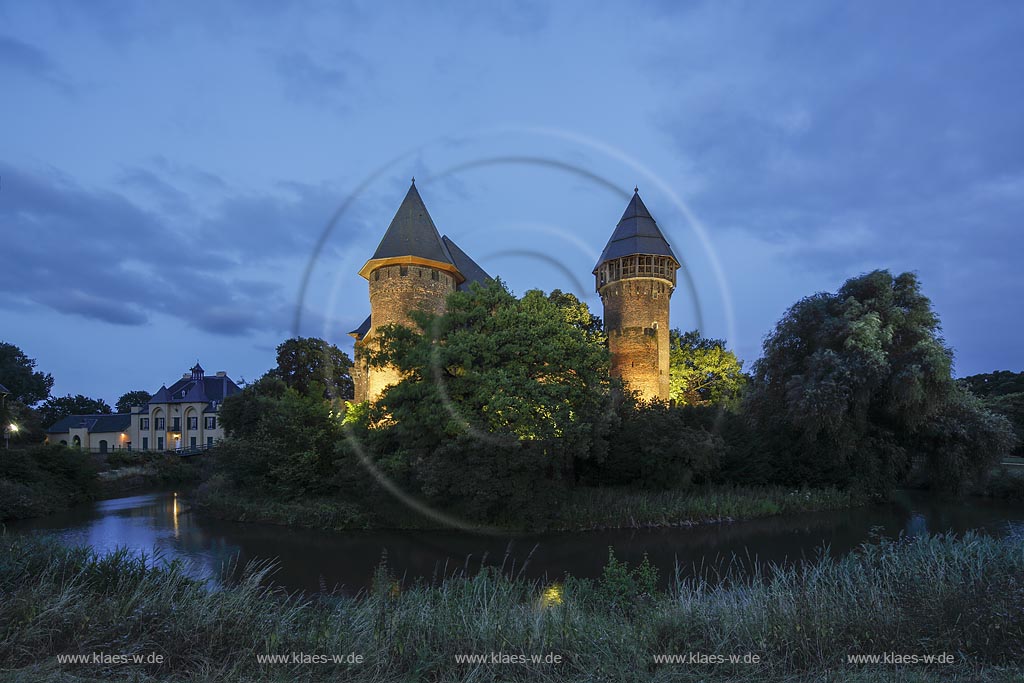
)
(635, 276)
(413, 268)
(181, 417)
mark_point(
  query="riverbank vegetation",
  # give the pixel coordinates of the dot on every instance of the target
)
(507, 416)
(40, 480)
(931, 596)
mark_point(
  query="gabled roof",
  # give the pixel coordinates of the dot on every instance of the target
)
(117, 422)
(4, 390)
(412, 233)
(467, 266)
(636, 233)
(361, 331)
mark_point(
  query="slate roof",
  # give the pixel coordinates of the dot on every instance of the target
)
(467, 266)
(188, 390)
(636, 233)
(117, 422)
(361, 331)
(4, 390)
(412, 233)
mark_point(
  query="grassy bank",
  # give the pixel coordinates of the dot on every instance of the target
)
(623, 508)
(928, 596)
(587, 508)
(41, 480)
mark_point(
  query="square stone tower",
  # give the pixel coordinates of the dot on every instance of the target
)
(635, 277)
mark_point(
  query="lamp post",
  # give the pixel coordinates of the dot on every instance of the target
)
(4, 393)
(8, 430)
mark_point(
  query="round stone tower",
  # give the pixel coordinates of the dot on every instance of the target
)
(413, 268)
(635, 277)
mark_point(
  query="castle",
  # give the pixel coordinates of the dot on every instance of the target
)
(414, 267)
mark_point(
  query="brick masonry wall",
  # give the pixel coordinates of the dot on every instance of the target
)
(636, 321)
(394, 291)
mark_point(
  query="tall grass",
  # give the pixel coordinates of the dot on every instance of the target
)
(941, 594)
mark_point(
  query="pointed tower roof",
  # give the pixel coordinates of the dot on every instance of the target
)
(467, 266)
(412, 237)
(636, 233)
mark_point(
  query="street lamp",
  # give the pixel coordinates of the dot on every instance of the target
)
(8, 430)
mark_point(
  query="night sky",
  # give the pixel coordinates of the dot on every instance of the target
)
(168, 170)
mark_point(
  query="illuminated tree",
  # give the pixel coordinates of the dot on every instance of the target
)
(305, 362)
(703, 371)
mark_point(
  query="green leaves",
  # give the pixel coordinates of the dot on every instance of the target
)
(853, 384)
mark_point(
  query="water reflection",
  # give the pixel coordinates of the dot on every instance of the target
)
(162, 524)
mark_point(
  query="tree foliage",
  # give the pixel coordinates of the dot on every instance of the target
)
(998, 383)
(27, 385)
(281, 442)
(130, 399)
(309, 364)
(702, 371)
(57, 408)
(851, 382)
(499, 390)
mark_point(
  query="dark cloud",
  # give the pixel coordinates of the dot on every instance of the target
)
(319, 82)
(98, 255)
(21, 57)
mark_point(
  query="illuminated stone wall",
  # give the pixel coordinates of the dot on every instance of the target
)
(636, 320)
(394, 291)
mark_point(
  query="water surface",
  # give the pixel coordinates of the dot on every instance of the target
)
(162, 524)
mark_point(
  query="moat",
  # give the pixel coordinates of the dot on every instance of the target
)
(161, 524)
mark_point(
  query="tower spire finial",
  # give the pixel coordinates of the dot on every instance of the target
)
(414, 180)
(636, 189)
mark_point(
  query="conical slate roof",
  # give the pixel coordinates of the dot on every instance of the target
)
(412, 233)
(636, 233)
(467, 266)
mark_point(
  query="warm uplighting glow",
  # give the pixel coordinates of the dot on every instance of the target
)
(552, 596)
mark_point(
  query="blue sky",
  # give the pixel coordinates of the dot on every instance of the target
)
(168, 169)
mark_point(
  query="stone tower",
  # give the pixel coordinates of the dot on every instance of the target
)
(413, 268)
(635, 277)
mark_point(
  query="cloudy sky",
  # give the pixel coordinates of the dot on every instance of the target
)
(172, 174)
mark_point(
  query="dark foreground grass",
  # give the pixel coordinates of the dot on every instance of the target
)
(964, 597)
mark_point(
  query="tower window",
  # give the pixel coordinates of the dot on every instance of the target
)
(433, 275)
(376, 275)
(403, 270)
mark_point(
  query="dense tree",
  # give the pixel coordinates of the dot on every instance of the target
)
(998, 383)
(308, 364)
(58, 407)
(1010, 406)
(27, 385)
(500, 391)
(281, 442)
(702, 371)
(130, 399)
(853, 385)
(577, 314)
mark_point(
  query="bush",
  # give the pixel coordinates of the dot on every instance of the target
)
(658, 446)
(43, 479)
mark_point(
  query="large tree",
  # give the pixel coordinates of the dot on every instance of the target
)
(17, 372)
(307, 362)
(854, 385)
(57, 408)
(500, 396)
(702, 371)
(130, 399)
